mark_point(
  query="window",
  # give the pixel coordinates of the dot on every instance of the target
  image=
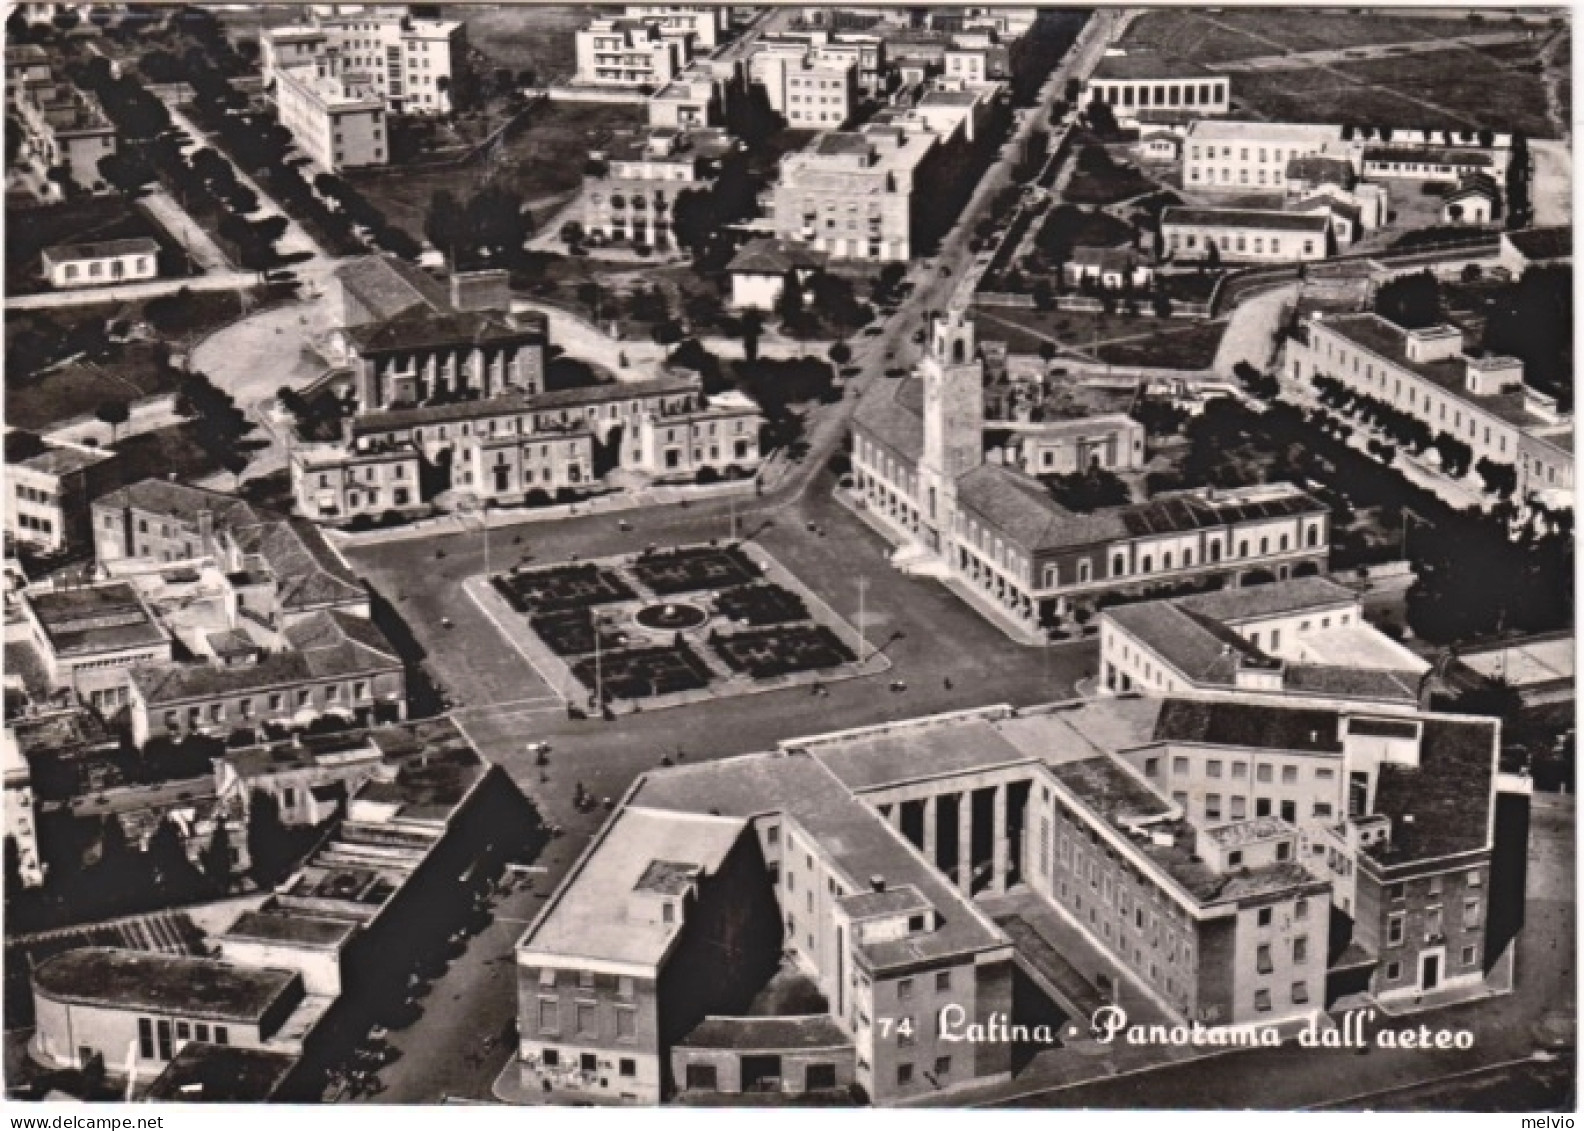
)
(1234, 859)
(942, 1066)
(586, 979)
(1151, 767)
(547, 979)
(1179, 765)
(1212, 806)
(1470, 955)
(549, 1016)
(1300, 993)
(145, 1038)
(905, 989)
(942, 981)
(1262, 955)
(222, 1035)
(1301, 948)
(1393, 971)
(627, 1066)
(1475, 879)
(1262, 1001)
(1289, 775)
(904, 1074)
(1301, 910)
(1471, 912)
(1213, 767)
(1240, 769)
(626, 1022)
(1394, 931)
(1264, 916)
(587, 1018)
(1262, 773)
(1399, 892)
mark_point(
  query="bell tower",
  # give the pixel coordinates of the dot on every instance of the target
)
(953, 416)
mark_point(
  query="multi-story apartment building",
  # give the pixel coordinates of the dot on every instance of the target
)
(1247, 235)
(691, 100)
(409, 63)
(639, 179)
(1307, 637)
(852, 195)
(1136, 86)
(332, 484)
(631, 53)
(50, 493)
(919, 469)
(443, 356)
(62, 127)
(812, 87)
(705, 24)
(1481, 401)
(336, 118)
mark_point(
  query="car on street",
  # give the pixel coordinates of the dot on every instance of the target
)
(873, 331)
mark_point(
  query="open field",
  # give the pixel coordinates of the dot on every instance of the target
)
(542, 44)
(1229, 34)
(1174, 346)
(541, 161)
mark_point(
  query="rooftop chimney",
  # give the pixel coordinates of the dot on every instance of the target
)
(877, 884)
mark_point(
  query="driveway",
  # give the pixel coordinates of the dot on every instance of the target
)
(1253, 329)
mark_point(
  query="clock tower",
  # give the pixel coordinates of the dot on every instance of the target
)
(953, 421)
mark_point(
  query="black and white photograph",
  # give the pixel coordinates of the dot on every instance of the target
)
(654, 556)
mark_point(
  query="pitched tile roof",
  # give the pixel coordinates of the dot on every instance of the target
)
(387, 286)
(307, 572)
(180, 501)
(418, 331)
(893, 416)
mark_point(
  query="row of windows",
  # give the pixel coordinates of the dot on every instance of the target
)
(1433, 886)
(1169, 94)
(588, 1062)
(142, 265)
(1240, 243)
(159, 1039)
(586, 1019)
(1469, 957)
(1277, 156)
(37, 525)
(246, 709)
(1396, 925)
(1262, 997)
(34, 494)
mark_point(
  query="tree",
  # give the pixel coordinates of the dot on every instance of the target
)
(1212, 254)
(113, 413)
(752, 327)
(840, 353)
(1102, 120)
(268, 843)
(215, 859)
(1044, 295)
(1411, 301)
(790, 307)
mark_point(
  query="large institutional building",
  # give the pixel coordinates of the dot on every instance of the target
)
(1204, 846)
(1482, 401)
(337, 120)
(920, 470)
(1155, 88)
(407, 62)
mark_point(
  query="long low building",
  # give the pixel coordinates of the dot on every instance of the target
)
(1247, 234)
(1307, 637)
(1135, 83)
(1481, 401)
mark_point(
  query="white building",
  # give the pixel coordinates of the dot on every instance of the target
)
(1143, 87)
(335, 119)
(1240, 156)
(1481, 401)
(101, 264)
(1306, 636)
(809, 87)
(630, 53)
(410, 63)
(1246, 235)
(704, 24)
(50, 493)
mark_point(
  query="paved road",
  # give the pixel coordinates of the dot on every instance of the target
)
(1252, 330)
(187, 231)
(134, 292)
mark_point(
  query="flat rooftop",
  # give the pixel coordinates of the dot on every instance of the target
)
(1443, 805)
(435, 769)
(272, 923)
(96, 618)
(910, 753)
(587, 918)
(163, 983)
(205, 1073)
(1143, 66)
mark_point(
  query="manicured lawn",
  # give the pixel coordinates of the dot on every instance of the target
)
(693, 568)
(562, 588)
(760, 605)
(640, 673)
(541, 160)
(769, 652)
(571, 632)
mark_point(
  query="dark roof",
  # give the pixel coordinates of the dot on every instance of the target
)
(1355, 683)
(95, 618)
(817, 1031)
(179, 501)
(272, 924)
(163, 983)
(1220, 723)
(1147, 66)
(1113, 793)
(838, 143)
(1447, 796)
(327, 644)
(1270, 221)
(67, 252)
(893, 417)
(1331, 204)
(516, 403)
(307, 571)
(1020, 509)
(1541, 244)
(420, 331)
(388, 286)
(65, 461)
(1477, 186)
(772, 257)
(1324, 170)
(204, 1073)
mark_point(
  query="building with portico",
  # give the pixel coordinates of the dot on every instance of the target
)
(1134, 82)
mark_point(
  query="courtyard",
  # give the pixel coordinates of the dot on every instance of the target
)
(663, 627)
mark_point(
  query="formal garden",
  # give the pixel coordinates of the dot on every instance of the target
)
(674, 625)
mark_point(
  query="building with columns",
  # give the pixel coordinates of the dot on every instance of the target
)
(1239, 862)
(994, 533)
(1136, 86)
